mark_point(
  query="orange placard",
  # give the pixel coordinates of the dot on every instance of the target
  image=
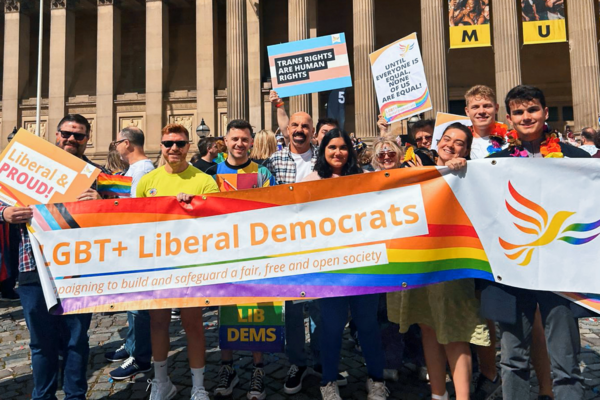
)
(34, 171)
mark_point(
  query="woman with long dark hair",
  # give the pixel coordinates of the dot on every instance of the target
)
(337, 158)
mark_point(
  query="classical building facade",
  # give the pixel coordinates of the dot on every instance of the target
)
(150, 62)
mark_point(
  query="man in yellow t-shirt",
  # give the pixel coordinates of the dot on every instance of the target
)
(176, 178)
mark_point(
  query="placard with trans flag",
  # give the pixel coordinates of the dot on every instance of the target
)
(310, 66)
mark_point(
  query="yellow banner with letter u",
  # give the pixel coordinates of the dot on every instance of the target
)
(543, 22)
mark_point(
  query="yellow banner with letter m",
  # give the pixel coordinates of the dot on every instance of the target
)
(470, 36)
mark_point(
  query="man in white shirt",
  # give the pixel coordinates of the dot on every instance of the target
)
(136, 351)
(292, 163)
(130, 146)
(481, 109)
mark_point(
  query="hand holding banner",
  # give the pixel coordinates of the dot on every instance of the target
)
(369, 233)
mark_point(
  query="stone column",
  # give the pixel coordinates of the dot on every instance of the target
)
(364, 93)
(434, 54)
(16, 65)
(237, 61)
(315, 98)
(205, 65)
(108, 66)
(62, 54)
(255, 52)
(585, 74)
(298, 30)
(157, 67)
(506, 50)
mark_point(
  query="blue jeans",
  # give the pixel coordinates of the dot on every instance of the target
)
(47, 332)
(295, 333)
(334, 315)
(137, 342)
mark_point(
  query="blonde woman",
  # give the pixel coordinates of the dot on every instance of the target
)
(387, 154)
(265, 144)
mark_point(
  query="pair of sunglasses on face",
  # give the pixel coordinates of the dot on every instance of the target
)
(78, 136)
(179, 143)
(390, 153)
(427, 138)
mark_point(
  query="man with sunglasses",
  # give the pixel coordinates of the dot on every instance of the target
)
(176, 178)
(422, 133)
(53, 335)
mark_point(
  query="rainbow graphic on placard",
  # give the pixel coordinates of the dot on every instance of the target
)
(405, 48)
(420, 105)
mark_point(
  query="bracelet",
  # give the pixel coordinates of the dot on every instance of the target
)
(280, 104)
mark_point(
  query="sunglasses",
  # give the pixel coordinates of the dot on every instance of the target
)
(381, 155)
(179, 143)
(117, 142)
(78, 136)
(427, 138)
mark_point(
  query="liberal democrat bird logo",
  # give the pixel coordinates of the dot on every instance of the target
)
(535, 222)
(405, 48)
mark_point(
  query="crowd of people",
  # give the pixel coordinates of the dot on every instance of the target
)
(453, 324)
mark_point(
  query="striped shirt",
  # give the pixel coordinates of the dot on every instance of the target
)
(283, 167)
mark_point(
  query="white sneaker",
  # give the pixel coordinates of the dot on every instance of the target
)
(376, 390)
(199, 393)
(331, 391)
(161, 390)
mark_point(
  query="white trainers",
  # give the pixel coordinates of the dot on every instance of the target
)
(376, 390)
(199, 393)
(161, 390)
(331, 391)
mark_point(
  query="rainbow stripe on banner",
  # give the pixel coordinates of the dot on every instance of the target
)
(114, 185)
(450, 249)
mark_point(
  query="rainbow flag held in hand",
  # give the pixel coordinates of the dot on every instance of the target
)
(114, 185)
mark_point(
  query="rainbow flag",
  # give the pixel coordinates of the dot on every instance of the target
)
(114, 185)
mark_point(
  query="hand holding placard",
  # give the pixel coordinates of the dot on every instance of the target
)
(34, 171)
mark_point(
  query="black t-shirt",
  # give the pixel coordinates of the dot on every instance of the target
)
(203, 165)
